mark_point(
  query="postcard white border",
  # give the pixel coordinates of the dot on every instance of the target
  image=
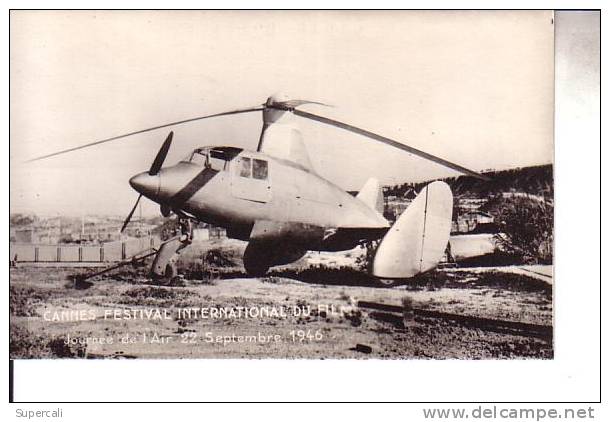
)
(572, 376)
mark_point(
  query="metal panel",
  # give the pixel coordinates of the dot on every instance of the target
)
(245, 186)
(69, 253)
(112, 251)
(91, 253)
(23, 252)
(135, 246)
(47, 253)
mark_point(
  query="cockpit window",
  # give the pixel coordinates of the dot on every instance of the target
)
(245, 167)
(216, 160)
(259, 169)
(199, 158)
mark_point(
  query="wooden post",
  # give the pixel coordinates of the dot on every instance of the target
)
(59, 254)
(123, 251)
(101, 254)
(35, 253)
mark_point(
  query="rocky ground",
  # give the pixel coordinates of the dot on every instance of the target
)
(304, 312)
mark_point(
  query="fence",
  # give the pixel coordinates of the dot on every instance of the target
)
(106, 252)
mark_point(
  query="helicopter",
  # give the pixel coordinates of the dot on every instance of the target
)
(273, 198)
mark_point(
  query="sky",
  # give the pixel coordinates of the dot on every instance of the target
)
(474, 87)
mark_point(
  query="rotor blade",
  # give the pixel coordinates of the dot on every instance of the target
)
(226, 113)
(390, 142)
(131, 213)
(160, 158)
(294, 103)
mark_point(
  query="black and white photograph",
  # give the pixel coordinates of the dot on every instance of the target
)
(282, 184)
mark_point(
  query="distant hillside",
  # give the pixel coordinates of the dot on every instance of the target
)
(537, 180)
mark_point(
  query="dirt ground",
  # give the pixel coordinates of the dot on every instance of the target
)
(301, 312)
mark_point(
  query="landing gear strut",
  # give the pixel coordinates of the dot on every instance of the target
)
(164, 264)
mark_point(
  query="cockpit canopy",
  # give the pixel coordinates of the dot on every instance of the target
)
(216, 158)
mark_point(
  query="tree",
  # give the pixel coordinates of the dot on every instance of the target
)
(526, 226)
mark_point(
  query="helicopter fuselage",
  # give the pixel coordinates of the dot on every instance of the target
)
(235, 188)
(273, 199)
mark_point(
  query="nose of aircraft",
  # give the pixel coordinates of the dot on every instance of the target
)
(146, 184)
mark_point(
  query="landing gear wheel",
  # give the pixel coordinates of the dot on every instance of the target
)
(170, 277)
(386, 282)
(170, 271)
(256, 269)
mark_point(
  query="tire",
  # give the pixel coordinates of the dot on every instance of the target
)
(170, 271)
(256, 269)
(386, 282)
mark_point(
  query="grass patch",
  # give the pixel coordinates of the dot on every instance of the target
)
(155, 296)
(23, 301)
(26, 345)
